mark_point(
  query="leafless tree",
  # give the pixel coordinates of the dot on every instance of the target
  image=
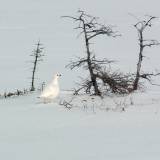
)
(37, 55)
(90, 28)
(141, 27)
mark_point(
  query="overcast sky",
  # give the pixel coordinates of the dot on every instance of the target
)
(23, 22)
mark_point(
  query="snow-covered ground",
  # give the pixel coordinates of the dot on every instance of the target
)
(31, 130)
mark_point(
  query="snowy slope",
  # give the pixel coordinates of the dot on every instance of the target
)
(36, 131)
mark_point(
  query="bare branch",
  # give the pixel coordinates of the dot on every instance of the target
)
(76, 19)
(151, 43)
(78, 63)
(67, 104)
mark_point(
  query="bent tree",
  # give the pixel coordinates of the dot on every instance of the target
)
(89, 27)
(141, 27)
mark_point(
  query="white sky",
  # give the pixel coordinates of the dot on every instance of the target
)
(23, 22)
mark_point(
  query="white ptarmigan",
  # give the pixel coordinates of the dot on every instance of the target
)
(51, 91)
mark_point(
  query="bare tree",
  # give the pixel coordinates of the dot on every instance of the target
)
(141, 27)
(90, 28)
(37, 54)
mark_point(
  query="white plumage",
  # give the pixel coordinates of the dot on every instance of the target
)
(51, 91)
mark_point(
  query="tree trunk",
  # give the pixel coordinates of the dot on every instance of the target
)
(139, 64)
(33, 73)
(92, 75)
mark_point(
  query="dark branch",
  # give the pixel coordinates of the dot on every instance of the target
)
(78, 63)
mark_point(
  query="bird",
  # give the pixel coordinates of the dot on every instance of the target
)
(51, 91)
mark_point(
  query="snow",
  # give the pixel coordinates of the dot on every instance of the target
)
(36, 131)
